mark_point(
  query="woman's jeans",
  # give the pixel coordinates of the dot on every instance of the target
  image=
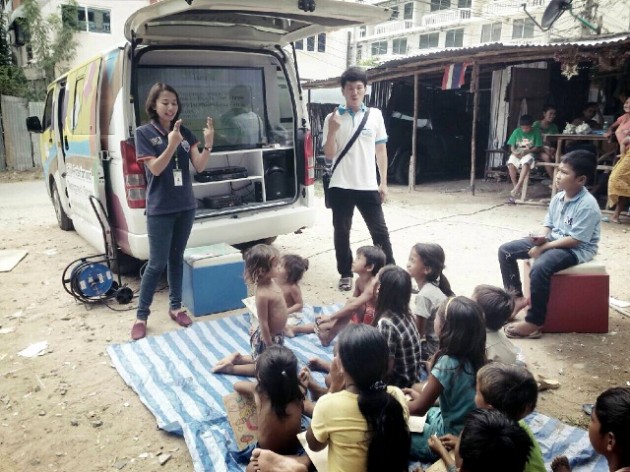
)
(168, 235)
(543, 268)
(368, 202)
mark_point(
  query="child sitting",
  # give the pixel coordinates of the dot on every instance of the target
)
(524, 143)
(497, 306)
(426, 265)
(291, 271)
(569, 236)
(360, 308)
(462, 352)
(609, 431)
(393, 319)
(365, 424)
(279, 400)
(490, 442)
(261, 265)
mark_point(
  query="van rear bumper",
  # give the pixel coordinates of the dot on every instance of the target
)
(234, 229)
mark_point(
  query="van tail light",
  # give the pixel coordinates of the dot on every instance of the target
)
(133, 172)
(309, 159)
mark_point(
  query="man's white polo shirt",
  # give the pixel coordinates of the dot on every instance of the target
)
(357, 170)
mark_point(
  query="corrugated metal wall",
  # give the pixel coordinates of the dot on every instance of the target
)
(21, 149)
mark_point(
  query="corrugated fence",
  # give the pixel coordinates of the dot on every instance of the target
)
(21, 148)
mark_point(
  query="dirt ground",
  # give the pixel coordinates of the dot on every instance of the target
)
(68, 409)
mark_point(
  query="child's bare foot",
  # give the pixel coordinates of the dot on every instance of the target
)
(325, 332)
(264, 460)
(519, 304)
(560, 464)
(313, 387)
(318, 365)
(225, 364)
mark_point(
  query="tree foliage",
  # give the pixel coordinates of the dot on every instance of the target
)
(51, 41)
(12, 80)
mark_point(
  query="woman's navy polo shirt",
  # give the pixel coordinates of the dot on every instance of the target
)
(163, 197)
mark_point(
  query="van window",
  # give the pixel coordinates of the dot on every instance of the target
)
(250, 106)
(78, 101)
(47, 121)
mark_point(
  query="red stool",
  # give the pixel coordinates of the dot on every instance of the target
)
(578, 302)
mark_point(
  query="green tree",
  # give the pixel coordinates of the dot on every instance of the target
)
(12, 80)
(51, 41)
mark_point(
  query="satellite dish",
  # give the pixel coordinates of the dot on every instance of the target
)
(554, 10)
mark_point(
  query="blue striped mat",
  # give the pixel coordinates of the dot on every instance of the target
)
(172, 375)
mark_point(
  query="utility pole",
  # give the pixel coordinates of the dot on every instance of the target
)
(589, 14)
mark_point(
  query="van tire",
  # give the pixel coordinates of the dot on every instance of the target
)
(64, 222)
(124, 264)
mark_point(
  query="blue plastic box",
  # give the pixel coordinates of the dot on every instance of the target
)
(213, 279)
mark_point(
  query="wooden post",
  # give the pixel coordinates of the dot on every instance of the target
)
(414, 137)
(473, 142)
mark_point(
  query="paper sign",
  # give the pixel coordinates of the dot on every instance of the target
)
(241, 413)
(34, 350)
(319, 458)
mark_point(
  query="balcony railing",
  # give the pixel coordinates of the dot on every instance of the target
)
(392, 27)
(508, 7)
(447, 17)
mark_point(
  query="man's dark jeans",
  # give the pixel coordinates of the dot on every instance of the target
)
(543, 267)
(368, 202)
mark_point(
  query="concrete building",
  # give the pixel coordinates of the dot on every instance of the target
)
(424, 26)
(101, 25)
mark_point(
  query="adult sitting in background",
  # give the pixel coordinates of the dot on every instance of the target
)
(619, 181)
(240, 125)
(547, 126)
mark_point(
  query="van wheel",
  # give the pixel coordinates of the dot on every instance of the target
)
(245, 246)
(125, 264)
(64, 222)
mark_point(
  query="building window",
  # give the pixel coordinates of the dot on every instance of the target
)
(362, 31)
(92, 20)
(310, 43)
(523, 28)
(379, 48)
(321, 42)
(408, 12)
(299, 44)
(454, 38)
(464, 3)
(440, 5)
(430, 40)
(359, 54)
(491, 33)
(399, 46)
(395, 13)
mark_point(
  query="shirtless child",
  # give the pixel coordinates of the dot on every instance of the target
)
(360, 307)
(279, 400)
(261, 265)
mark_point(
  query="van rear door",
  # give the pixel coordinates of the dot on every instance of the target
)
(243, 23)
(82, 148)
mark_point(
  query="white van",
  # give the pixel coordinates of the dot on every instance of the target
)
(258, 185)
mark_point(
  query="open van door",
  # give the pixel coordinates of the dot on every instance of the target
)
(243, 22)
(81, 146)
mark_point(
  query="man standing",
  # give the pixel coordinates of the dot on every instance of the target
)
(354, 182)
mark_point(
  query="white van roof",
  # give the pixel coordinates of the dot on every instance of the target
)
(244, 23)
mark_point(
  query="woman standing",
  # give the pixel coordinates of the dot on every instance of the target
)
(166, 148)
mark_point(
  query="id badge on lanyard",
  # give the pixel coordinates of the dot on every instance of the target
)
(178, 178)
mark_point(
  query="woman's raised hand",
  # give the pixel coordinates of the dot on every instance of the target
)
(175, 136)
(208, 133)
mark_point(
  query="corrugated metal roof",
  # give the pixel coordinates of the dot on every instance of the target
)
(500, 45)
(435, 57)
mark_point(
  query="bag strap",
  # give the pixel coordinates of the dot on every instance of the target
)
(352, 140)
